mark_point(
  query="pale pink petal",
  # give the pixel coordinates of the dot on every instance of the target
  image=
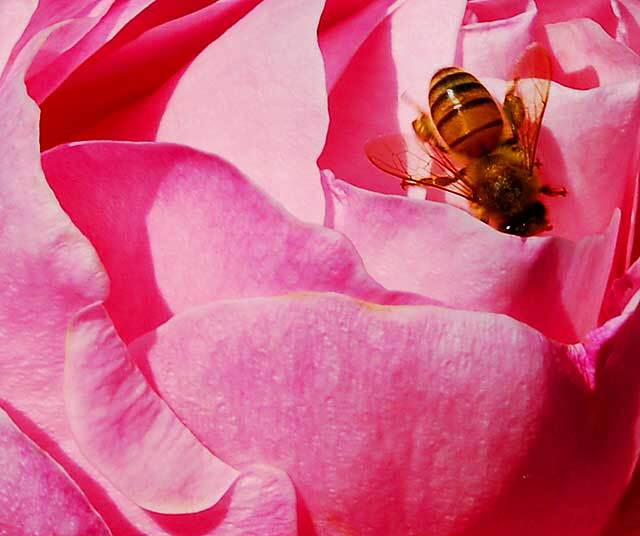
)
(193, 230)
(36, 495)
(15, 17)
(599, 11)
(586, 134)
(588, 57)
(257, 97)
(49, 14)
(344, 27)
(127, 431)
(599, 171)
(48, 272)
(492, 48)
(97, 99)
(261, 502)
(442, 252)
(388, 419)
(399, 56)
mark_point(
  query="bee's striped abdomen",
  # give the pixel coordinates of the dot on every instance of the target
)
(464, 113)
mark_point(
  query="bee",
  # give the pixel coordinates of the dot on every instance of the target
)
(481, 151)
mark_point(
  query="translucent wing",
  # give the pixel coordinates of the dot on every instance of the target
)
(418, 163)
(526, 99)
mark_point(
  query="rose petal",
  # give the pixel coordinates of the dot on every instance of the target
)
(15, 17)
(129, 433)
(367, 409)
(267, 113)
(398, 56)
(261, 502)
(542, 281)
(628, 30)
(36, 495)
(112, 24)
(100, 99)
(562, 10)
(492, 48)
(343, 28)
(599, 171)
(593, 58)
(54, 16)
(193, 230)
(623, 290)
(48, 272)
(492, 10)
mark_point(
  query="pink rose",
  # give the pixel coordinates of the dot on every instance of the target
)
(202, 333)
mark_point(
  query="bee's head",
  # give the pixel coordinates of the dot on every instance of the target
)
(531, 221)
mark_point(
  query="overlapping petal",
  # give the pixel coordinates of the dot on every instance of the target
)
(36, 495)
(297, 389)
(15, 18)
(194, 230)
(597, 159)
(127, 431)
(94, 101)
(134, 439)
(552, 284)
(257, 97)
(399, 56)
(364, 404)
(48, 270)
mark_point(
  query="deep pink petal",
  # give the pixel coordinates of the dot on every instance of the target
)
(368, 410)
(109, 27)
(36, 495)
(441, 252)
(127, 431)
(344, 27)
(479, 11)
(623, 291)
(176, 228)
(399, 56)
(101, 98)
(257, 97)
(628, 30)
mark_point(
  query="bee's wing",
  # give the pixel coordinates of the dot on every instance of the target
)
(531, 81)
(417, 163)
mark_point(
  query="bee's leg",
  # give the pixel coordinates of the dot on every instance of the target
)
(406, 183)
(553, 192)
(437, 181)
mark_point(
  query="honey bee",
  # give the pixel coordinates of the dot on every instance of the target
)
(483, 152)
